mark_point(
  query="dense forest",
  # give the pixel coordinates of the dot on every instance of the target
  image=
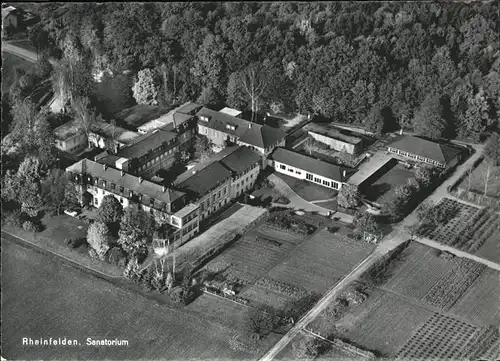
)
(428, 67)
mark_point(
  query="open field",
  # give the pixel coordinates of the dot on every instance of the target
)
(9, 64)
(254, 254)
(420, 270)
(44, 298)
(467, 228)
(481, 303)
(382, 189)
(389, 325)
(441, 337)
(478, 180)
(319, 262)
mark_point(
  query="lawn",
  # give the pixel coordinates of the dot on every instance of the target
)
(307, 190)
(478, 179)
(9, 64)
(44, 298)
(382, 189)
(321, 261)
(52, 238)
(255, 254)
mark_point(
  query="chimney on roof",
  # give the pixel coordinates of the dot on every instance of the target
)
(122, 172)
(164, 189)
(140, 180)
(249, 125)
(344, 173)
(104, 166)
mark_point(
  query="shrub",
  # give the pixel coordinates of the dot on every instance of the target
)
(75, 242)
(31, 226)
(117, 256)
(14, 218)
(282, 200)
(277, 107)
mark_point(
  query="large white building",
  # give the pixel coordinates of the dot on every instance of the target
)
(300, 166)
(70, 137)
(95, 181)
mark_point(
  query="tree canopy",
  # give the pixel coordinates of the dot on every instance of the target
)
(435, 67)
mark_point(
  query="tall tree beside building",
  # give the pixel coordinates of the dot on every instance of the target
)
(145, 88)
(99, 238)
(136, 231)
(110, 213)
(85, 115)
(349, 196)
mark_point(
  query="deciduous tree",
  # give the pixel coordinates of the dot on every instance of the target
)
(136, 231)
(110, 213)
(349, 196)
(145, 88)
(98, 237)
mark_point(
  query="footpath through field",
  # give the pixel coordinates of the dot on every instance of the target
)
(391, 241)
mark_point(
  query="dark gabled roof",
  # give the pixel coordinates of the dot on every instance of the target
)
(208, 178)
(441, 153)
(308, 164)
(262, 136)
(241, 159)
(126, 180)
(189, 108)
(143, 144)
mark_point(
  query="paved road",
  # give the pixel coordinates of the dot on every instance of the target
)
(391, 241)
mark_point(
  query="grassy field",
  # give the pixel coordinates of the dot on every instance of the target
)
(481, 304)
(44, 298)
(478, 179)
(321, 261)
(382, 190)
(255, 254)
(307, 190)
(9, 64)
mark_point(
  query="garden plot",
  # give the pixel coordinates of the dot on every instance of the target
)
(253, 255)
(389, 324)
(421, 269)
(454, 283)
(441, 337)
(319, 262)
(481, 303)
(457, 214)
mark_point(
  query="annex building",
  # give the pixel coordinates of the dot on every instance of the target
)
(425, 151)
(336, 138)
(300, 166)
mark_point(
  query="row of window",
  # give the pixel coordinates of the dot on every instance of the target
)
(120, 189)
(416, 157)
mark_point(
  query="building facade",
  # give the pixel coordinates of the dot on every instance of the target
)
(303, 167)
(169, 206)
(70, 137)
(421, 150)
(335, 138)
(223, 129)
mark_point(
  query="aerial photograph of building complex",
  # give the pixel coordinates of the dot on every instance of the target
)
(250, 181)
